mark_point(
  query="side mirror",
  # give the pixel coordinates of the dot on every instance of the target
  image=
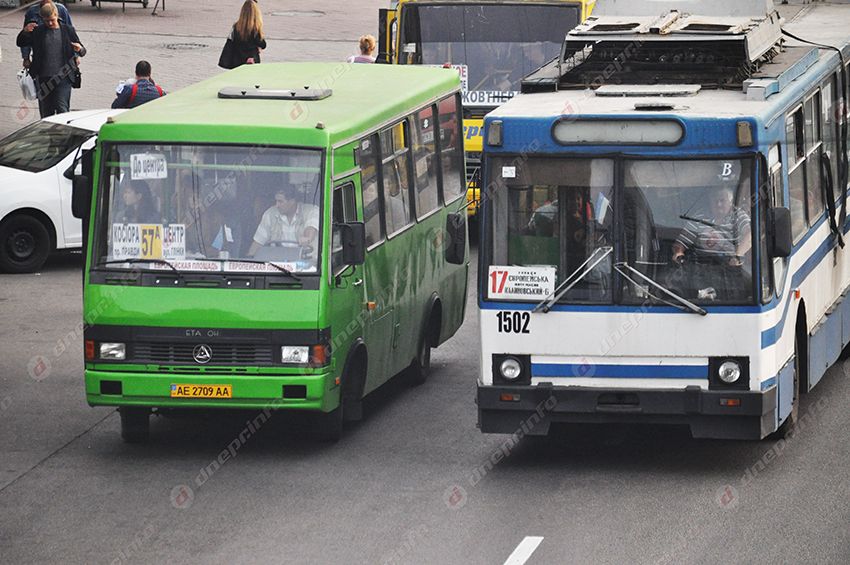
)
(80, 196)
(782, 240)
(456, 234)
(353, 235)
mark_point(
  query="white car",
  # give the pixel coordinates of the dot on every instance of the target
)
(35, 195)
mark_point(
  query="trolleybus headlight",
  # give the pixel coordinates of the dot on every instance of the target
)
(113, 351)
(294, 354)
(729, 372)
(511, 369)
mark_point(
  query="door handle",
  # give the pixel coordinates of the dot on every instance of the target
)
(357, 282)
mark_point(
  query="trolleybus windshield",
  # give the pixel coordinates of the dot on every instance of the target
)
(684, 224)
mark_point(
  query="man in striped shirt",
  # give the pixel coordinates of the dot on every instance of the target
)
(722, 237)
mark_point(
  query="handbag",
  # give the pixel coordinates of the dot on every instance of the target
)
(229, 58)
(28, 89)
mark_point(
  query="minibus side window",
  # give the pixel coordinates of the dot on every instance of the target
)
(427, 197)
(830, 125)
(344, 211)
(369, 183)
(451, 149)
(395, 175)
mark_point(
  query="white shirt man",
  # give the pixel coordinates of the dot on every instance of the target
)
(287, 221)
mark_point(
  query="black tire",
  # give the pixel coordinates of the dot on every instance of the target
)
(790, 422)
(353, 381)
(24, 244)
(135, 424)
(420, 369)
(330, 424)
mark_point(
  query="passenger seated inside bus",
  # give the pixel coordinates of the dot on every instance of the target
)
(139, 204)
(288, 230)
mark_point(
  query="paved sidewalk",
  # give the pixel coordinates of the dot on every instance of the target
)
(182, 43)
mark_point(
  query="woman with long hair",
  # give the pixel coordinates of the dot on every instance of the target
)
(247, 36)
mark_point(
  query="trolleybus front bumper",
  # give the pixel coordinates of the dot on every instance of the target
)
(530, 410)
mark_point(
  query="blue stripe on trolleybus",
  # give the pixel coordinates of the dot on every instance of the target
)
(570, 370)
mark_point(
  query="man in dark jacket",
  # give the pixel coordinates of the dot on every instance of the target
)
(143, 90)
(56, 49)
(33, 14)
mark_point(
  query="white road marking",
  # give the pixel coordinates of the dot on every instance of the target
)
(524, 550)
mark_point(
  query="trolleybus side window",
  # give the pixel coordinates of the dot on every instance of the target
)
(395, 171)
(425, 162)
(796, 172)
(369, 183)
(765, 264)
(813, 135)
(777, 199)
(451, 149)
(830, 124)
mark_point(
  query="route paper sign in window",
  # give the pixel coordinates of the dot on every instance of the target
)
(148, 241)
(520, 283)
(148, 166)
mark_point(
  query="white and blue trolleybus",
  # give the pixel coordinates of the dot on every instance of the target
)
(664, 221)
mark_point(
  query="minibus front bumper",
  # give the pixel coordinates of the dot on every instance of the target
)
(724, 414)
(317, 391)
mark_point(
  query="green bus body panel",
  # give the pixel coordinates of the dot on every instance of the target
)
(402, 273)
(201, 307)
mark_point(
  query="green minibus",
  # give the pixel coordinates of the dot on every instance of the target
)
(278, 237)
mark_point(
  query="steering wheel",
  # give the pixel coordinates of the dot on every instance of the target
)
(306, 251)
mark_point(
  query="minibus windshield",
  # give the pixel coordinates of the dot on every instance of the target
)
(210, 208)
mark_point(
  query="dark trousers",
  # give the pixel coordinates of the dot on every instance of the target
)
(54, 95)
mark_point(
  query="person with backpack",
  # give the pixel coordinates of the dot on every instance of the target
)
(141, 91)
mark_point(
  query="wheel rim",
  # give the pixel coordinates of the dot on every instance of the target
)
(22, 244)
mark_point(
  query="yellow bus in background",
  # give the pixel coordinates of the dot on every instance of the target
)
(492, 43)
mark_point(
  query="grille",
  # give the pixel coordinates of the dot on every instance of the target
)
(473, 170)
(222, 353)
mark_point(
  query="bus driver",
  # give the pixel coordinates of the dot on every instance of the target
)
(288, 221)
(723, 235)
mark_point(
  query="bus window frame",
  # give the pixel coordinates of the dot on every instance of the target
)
(349, 214)
(777, 188)
(437, 161)
(487, 249)
(796, 161)
(816, 99)
(459, 148)
(403, 152)
(101, 195)
(375, 141)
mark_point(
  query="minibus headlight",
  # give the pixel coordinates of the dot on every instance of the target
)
(294, 354)
(511, 369)
(113, 351)
(729, 372)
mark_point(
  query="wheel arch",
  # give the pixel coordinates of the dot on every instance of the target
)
(432, 323)
(358, 356)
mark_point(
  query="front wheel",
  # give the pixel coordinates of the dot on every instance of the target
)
(420, 369)
(135, 424)
(24, 244)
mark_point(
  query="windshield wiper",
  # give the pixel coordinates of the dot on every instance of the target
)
(698, 220)
(574, 278)
(684, 304)
(283, 270)
(137, 260)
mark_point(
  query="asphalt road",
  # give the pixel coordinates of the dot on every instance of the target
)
(414, 483)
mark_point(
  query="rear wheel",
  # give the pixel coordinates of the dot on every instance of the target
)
(24, 244)
(420, 369)
(135, 424)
